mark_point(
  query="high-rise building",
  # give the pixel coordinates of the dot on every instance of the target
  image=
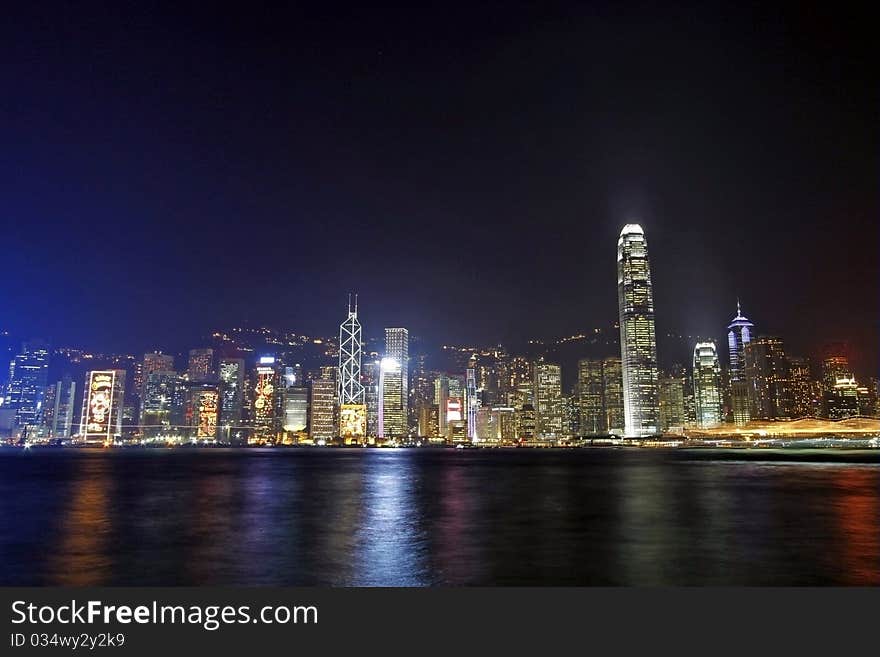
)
(201, 365)
(395, 390)
(203, 412)
(162, 392)
(707, 385)
(767, 374)
(472, 403)
(101, 418)
(351, 396)
(322, 407)
(296, 409)
(155, 362)
(370, 371)
(739, 334)
(231, 371)
(548, 400)
(351, 390)
(266, 402)
(591, 414)
(28, 378)
(638, 342)
(612, 396)
(806, 393)
(672, 413)
(58, 416)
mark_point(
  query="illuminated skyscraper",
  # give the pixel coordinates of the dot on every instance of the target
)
(322, 406)
(201, 364)
(739, 334)
(296, 410)
(58, 408)
(767, 375)
(548, 400)
(266, 404)
(707, 385)
(231, 372)
(672, 414)
(472, 403)
(351, 390)
(612, 396)
(370, 371)
(589, 397)
(638, 342)
(395, 388)
(28, 377)
(162, 390)
(101, 419)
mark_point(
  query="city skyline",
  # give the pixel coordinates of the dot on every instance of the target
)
(488, 397)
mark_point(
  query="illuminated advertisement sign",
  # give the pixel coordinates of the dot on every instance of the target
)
(264, 393)
(206, 402)
(453, 409)
(352, 420)
(99, 405)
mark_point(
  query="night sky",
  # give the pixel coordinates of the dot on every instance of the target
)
(169, 169)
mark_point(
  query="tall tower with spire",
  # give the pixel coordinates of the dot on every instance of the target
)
(350, 390)
(739, 334)
(638, 341)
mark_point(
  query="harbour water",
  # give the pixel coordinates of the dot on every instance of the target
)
(428, 517)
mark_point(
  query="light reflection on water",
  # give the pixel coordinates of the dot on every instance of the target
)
(436, 517)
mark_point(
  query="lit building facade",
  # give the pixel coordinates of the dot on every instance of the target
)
(103, 397)
(767, 376)
(638, 342)
(28, 378)
(266, 402)
(322, 409)
(591, 414)
(58, 409)
(200, 366)
(707, 385)
(612, 396)
(395, 388)
(162, 389)
(231, 376)
(548, 400)
(739, 334)
(672, 411)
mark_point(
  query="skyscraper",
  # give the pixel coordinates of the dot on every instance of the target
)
(767, 374)
(28, 377)
(638, 342)
(472, 403)
(395, 388)
(739, 334)
(351, 390)
(162, 390)
(231, 372)
(589, 395)
(707, 385)
(101, 419)
(612, 396)
(672, 414)
(322, 404)
(266, 404)
(201, 364)
(58, 408)
(548, 400)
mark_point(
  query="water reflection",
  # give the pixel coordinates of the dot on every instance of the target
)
(427, 517)
(390, 547)
(85, 529)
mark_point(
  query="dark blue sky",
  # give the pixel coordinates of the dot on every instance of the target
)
(166, 169)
